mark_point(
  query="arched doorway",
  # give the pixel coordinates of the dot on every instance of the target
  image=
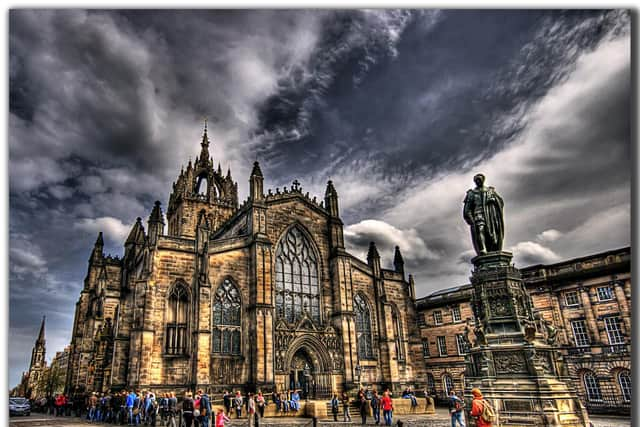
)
(301, 374)
(307, 354)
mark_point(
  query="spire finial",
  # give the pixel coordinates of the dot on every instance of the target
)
(41, 334)
(204, 153)
(373, 252)
(99, 240)
(398, 261)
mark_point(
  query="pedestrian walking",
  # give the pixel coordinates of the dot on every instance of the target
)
(456, 406)
(237, 403)
(251, 411)
(260, 404)
(345, 407)
(335, 406)
(387, 407)
(205, 409)
(221, 418)
(187, 409)
(375, 407)
(481, 410)
(363, 406)
(173, 410)
(226, 400)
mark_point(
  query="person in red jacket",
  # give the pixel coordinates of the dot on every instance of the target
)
(60, 402)
(387, 407)
(477, 406)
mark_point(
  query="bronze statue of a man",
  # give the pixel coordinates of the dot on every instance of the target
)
(483, 212)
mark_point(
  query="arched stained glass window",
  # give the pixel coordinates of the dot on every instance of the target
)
(624, 380)
(226, 319)
(399, 338)
(592, 386)
(297, 283)
(363, 327)
(177, 315)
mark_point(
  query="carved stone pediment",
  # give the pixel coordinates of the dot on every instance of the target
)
(306, 324)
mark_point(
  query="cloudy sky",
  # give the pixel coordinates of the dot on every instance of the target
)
(399, 108)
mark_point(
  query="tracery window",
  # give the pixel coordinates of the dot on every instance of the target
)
(177, 315)
(592, 386)
(399, 339)
(297, 284)
(226, 319)
(363, 327)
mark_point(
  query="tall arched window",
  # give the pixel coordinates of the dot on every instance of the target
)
(447, 384)
(226, 319)
(177, 315)
(624, 380)
(592, 386)
(399, 338)
(363, 327)
(297, 284)
(431, 384)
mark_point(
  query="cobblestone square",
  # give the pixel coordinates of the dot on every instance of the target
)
(440, 418)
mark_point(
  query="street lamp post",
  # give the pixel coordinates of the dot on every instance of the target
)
(358, 370)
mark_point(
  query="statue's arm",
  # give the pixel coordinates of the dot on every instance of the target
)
(467, 211)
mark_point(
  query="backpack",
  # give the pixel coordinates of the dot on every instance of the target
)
(488, 414)
(458, 405)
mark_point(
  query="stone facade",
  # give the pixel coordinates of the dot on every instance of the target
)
(258, 295)
(587, 302)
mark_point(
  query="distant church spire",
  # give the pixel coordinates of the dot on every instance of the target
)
(39, 350)
(41, 334)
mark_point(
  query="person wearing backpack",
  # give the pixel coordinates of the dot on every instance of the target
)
(238, 403)
(456, 405)
(375, 406)
(205, 409)
(187, 409)
(482, 410)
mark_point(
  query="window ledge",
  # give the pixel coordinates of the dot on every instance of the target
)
(175, 356)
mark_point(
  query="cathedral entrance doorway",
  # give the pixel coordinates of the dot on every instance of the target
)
(301, 374)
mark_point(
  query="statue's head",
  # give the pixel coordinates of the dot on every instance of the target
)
(479, 179)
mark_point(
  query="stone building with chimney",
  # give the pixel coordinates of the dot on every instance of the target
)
(254, 295)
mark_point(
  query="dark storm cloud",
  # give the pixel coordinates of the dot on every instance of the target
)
(398, 107)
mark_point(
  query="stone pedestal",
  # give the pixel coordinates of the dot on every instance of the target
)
(510, 357)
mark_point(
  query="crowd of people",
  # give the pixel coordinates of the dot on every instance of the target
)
(366, 400)
(136, 408)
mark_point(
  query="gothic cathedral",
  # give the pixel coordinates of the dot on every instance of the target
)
(258, 295)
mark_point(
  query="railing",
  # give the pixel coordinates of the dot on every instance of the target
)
(617, 349)
(608, 404)
(622, 349)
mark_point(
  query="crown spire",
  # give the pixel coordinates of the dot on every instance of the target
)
(204, 152)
